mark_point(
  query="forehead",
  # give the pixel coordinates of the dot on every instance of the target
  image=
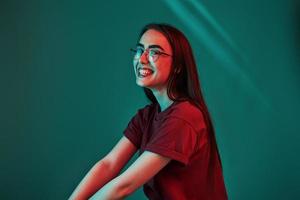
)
(153, 37)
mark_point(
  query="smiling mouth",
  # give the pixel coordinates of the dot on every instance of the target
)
(143, 72)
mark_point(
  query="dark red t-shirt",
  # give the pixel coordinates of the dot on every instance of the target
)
(180, 133)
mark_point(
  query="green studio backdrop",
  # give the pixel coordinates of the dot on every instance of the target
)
(68, 89)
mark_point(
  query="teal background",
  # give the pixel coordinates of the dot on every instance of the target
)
(68, 89)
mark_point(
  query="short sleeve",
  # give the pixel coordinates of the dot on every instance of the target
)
(175, 139)
(133, 130)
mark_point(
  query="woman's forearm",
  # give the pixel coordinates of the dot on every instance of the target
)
(114, 190)
(100, 174)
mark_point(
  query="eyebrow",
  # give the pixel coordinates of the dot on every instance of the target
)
(151, 46)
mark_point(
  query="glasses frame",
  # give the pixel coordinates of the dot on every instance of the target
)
(159, 53)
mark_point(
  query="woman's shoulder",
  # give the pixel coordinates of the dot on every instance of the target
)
(186, 108)
(188, 112)
(147, 107)
(146, 110)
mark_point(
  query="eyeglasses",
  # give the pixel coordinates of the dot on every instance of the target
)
(152, 54)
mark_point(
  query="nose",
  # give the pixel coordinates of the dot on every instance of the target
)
(144, 58)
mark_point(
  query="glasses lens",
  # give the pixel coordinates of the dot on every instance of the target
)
(153, 55)
(138, 53)
(133, 51)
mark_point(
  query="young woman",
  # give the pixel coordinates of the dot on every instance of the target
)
(178, 154)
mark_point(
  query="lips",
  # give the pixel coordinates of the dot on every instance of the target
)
(143, 71)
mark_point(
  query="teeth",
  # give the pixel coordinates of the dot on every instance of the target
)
(145, 72)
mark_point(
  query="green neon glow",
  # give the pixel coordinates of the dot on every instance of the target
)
(231, 58)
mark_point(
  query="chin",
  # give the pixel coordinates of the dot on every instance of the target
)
(143, 84)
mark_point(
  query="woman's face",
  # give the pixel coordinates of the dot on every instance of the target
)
(149, 73)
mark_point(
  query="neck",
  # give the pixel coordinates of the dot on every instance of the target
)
(162, 98)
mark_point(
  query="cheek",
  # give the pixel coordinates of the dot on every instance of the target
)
(166, 68)
(134, 63)
(164, 72)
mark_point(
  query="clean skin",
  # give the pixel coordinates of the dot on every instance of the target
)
(157, 81)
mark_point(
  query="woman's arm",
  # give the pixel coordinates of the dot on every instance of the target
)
(143, 169)
(105, 170)
(96, 178)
